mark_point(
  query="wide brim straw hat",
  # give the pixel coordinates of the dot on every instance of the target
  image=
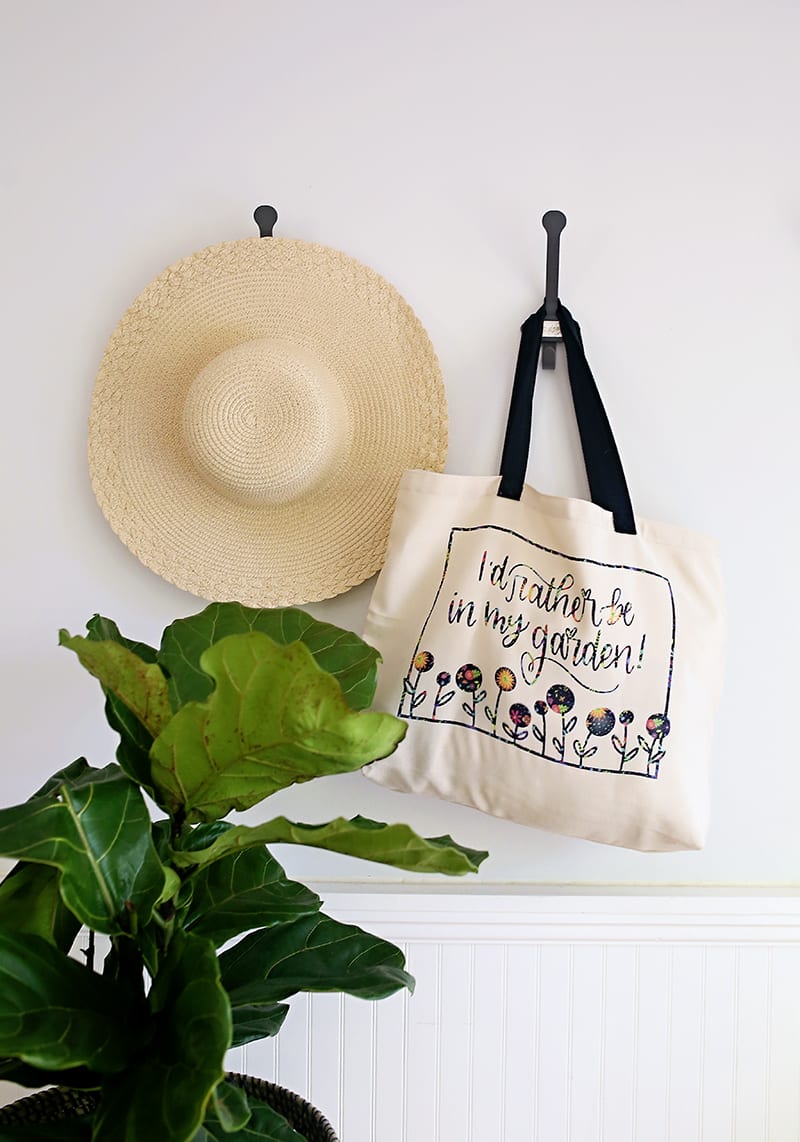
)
(252, 416)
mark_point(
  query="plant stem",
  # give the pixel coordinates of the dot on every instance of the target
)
(88, 951)
(178, 821)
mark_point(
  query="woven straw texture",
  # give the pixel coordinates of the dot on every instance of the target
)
(252, 416)
(57, 1104)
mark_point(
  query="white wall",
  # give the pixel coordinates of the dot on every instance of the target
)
(426, 139)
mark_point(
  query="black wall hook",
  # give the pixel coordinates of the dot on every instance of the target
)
(266, 217)
(554, 222)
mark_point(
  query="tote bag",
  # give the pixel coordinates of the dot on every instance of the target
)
(558, 662)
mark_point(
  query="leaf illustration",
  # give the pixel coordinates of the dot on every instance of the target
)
(55, 1013)
(559, 745)
(489, 712)
(419, 699)
(443, 699)
(409, 689)
(242, 890)
(313, 953)
(590, 751)
(618, 745)
(468, 709)
(643, 743)
(97, 831)
(396, 845)
(509, 729)
(341, 653)
(537, 733)
(275, 718)
(164, 1094)
(521, 735)
(570, 725)
(480, 697)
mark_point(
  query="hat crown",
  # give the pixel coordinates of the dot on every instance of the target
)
(265, 422)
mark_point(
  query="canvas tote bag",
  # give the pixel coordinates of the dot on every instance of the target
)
(558, 662)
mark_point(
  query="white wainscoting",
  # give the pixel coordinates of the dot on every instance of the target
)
(583, 1018)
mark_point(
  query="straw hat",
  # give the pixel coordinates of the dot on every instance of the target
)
(253, 413)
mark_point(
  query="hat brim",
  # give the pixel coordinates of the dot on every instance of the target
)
(322, 301)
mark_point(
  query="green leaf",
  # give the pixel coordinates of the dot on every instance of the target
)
(164, 1095)
(101, 629)
(96, 830)
(30, 901)
(140, 686)
(71, 774)
(78, 1078)
(135, 740)
(242, 891)
(230, 1107)
(265, 1125)
(78, 1129)
(313, 953)
(396, 845)
(339, 652)
(253, 1021)
(275, 718)
(55, 1013)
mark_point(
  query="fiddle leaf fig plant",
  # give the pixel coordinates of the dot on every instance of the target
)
(207, 936)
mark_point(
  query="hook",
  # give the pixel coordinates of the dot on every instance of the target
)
(554, 222)
(265, 217)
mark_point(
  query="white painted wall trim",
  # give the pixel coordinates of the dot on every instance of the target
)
(594, 918)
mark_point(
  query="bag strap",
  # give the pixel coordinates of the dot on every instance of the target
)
(607, 484)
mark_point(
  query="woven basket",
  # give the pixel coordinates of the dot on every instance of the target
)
(57, 1103)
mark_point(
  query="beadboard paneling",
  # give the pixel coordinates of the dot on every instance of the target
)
(560, 1019)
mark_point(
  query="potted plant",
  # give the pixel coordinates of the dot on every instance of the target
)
(207, 937)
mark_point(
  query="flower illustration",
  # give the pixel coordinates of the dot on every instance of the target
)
(469, 678)
(657, 726)
(540, 707)
(442, 696)
(505, 680)
(560, 699)
(621, 744)
(422, 662)
(599, 722)
(520, 717)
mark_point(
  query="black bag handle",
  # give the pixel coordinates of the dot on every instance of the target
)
(603, 466)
